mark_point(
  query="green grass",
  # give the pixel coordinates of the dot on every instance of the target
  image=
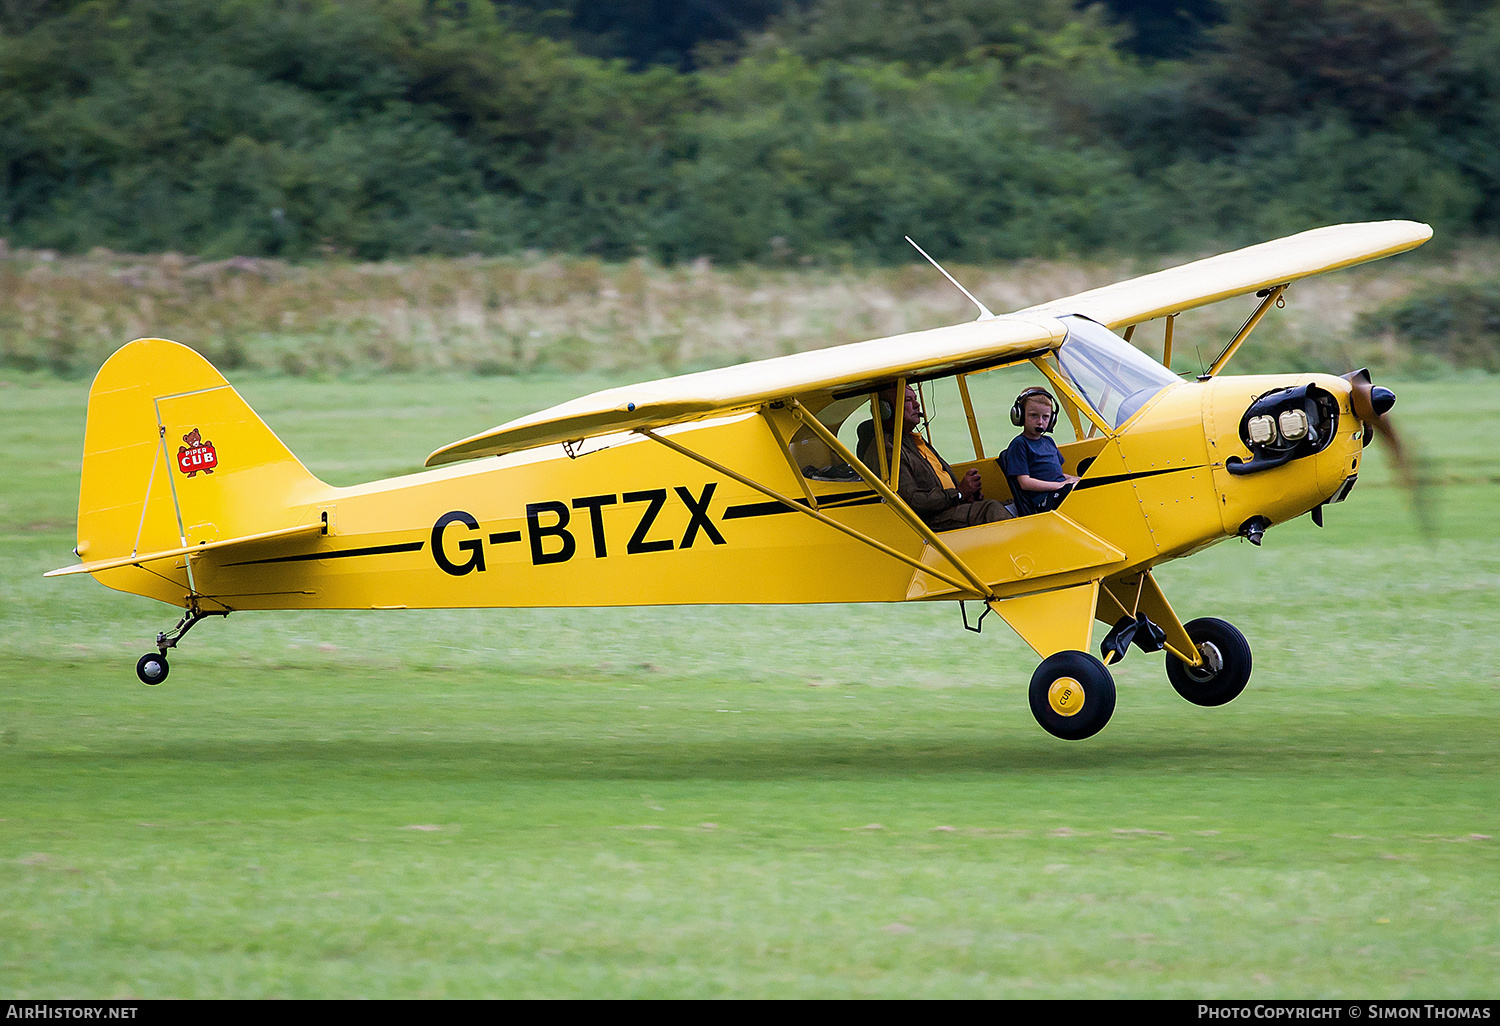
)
(731, 801)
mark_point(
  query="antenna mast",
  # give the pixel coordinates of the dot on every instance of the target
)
(984, 311)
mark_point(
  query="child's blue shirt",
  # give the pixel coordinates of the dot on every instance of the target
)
(1039, 459)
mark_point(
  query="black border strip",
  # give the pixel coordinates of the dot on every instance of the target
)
(373, 550)
(1118, 478)
(766, 509)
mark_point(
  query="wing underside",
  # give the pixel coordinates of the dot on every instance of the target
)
(1238, 273)
(728, 390)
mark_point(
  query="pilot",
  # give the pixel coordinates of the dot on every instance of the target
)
(927, 482)
(1032, 460)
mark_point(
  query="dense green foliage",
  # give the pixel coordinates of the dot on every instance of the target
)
(1457, 321)
(646, 32)
(989, 128)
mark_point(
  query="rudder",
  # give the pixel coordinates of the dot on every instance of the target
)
(173, 457)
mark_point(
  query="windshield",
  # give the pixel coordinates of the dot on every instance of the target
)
(1114, 376)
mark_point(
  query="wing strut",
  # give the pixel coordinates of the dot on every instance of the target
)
(1272, 296)
(818, 515)
(898, 394)
(786, 450)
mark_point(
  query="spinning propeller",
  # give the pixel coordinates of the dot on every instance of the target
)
(1371, 403)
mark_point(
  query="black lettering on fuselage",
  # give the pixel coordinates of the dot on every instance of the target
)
(698, 512)
(473, 546)
(595, 505)
(551, 540)
(638, 543)
(537, 532)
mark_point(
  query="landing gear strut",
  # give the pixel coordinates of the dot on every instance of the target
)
(152, 667)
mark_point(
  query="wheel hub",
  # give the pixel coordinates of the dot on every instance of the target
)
(1213, 662)
(1065, 696)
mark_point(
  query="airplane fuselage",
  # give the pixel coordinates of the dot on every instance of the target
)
(633, 522)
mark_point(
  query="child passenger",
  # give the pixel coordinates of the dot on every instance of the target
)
(1032, 459)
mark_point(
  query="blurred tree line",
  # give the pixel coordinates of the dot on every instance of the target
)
(764, 130)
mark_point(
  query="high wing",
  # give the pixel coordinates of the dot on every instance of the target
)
(725, 390)
(1235, 274)
(865, 365)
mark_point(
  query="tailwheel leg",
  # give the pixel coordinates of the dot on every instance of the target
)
(152, 667)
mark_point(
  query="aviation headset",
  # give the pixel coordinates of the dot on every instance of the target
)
(1018, 411)
(887, 411)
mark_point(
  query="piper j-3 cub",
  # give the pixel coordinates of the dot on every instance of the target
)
(734, 486)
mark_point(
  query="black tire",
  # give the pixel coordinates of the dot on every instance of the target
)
(1056, 687)
(152, 668)
(1222, 644)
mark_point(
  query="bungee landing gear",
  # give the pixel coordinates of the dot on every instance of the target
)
(1073, 694)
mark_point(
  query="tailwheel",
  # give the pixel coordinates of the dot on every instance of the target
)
(1226, 664)
(1072, 695)
(152, 668)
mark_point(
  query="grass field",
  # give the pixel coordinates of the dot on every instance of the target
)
(811, 801)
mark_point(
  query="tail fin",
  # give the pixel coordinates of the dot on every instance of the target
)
(173, 458)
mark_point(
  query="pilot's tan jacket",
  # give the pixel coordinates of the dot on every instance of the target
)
(941, 508)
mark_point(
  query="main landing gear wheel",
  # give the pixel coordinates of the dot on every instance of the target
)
(1226, 664)
(152, 668)
(1072, 695)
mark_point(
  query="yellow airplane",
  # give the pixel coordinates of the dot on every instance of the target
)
(733, 485)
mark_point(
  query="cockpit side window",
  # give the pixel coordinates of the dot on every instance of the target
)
(812, 454)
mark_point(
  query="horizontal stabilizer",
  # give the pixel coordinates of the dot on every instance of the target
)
(136, 559)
